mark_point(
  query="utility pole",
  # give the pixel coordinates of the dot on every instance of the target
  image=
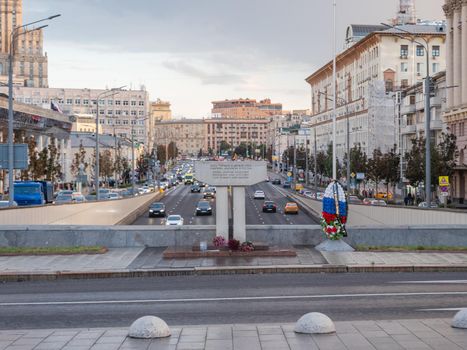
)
(306, 158)
(316, 164)
(295, 158)
(348, 147)
(334, 85)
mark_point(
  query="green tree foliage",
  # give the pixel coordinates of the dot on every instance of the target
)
(79, 158)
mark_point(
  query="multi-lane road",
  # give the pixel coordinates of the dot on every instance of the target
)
(198, 300)
(179, 200)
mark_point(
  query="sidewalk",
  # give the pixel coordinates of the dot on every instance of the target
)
(358, 335)
(136, 262)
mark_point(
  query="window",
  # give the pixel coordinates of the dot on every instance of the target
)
(420, 50)
(133, 113)
(141, 122)
(118, 103)
(118, 112)
(110, 102)
(404, 67)
(77, 101)
(101, 121)
(435, 51)
(420, 68)
(404, 51)
(101, 102)
(85, 102)
(125, 103)
(69, 101)
(389, 85)
(404, 83)
(94, 102)
(125, 122)
(45, 101)
(126, 113)
(141, 113)
(118, 122)
(133, 103)
(110, 112)
(141, 131)
(133, 122)
(141, 103)
(435, 67)
(109, 121)
(101, 111)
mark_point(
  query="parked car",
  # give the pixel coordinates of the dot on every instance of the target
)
(291, 208)
(174, 220)
(286, 184)
(157, 209)
(309, 194)
(113, 196)
(320, 196)
(78, 197)
(64, 199)
(268, 179)
(195, 188)
(259, 195)
(4, 204)
(354, 200)
(203, 208)
(383, 195)
(378, 202)
(298, 187)
(269, 207)
(276, 181)
(366, 201)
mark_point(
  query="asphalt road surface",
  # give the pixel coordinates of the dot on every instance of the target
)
(196, 300)
(181, 201)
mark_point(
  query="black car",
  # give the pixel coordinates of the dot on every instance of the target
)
(157, 209)
(203, 208)
(276, 181)
(269, 207)
(195, 188)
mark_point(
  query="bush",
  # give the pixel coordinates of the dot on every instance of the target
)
(234, 244)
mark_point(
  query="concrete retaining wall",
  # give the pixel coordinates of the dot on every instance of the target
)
(162, 236)
(110, 212)
(368, 215)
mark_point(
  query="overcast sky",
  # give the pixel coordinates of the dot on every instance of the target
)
(192, 52)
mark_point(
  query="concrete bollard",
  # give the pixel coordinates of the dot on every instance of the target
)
(149, 327)
(315, 323)
(460, 319)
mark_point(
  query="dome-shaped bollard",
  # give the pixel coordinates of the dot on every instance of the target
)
(314, 323)
(148, 327)
(460, 319)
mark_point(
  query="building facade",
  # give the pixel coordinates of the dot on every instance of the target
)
(30, 64)
(187, 134)
(245, 109)
(455, 115)
(411, 114)
(124, 113)
(369, 74)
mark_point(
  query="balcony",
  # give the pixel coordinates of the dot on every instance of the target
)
(436, 124)
(409, 129)
(408, 109)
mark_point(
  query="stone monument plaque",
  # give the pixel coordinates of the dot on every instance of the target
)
(230, 173)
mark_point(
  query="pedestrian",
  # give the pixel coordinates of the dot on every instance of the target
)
(406, 200)
(410, 198)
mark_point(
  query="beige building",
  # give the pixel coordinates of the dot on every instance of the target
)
(245, 109)
(85, 123)
(160, 111)
(188, 135)
(124, 113)
(369, 73)
(235, 132)
(456, 80)
(29, 62)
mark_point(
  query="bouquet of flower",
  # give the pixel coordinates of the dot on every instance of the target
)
(234, 244)
(247, 247)
(332, 226)
(335, 211)
(219, 241)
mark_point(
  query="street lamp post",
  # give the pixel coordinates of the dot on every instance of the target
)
(104, 94)
(426, 47)
(334, 85)
(13, 36)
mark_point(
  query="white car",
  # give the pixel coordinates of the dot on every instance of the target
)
(113, 196)
(378, 202)
(174, 220)
(309, 194)
(259, 195)
(320, 196)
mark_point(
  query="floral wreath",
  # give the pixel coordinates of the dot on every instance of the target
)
(335, 211)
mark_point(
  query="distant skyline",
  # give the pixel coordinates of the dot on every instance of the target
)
(194, 52)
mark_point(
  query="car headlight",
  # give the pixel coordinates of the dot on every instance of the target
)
(162, 210)
(151, 211)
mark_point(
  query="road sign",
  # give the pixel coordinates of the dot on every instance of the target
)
(444, 194)
(444, 188)
(289, 174)
(352, 175)
(360, 176)
(444, 180)
(20, 156)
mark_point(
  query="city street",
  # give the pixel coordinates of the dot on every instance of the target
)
(197, 300)
(181, 201)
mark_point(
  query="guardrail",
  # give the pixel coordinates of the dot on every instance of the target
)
(109, 212)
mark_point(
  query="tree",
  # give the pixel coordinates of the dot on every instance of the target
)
(241, 150)
(142, 165)
(106, 165)
(224, 146)
(358, 160)
(328, 163)
(415, 158)
(172, 150)
(376, 167)
(53, 169)
(161, 154)
(390, 166)
(447, 155)
(31, 173)
(79, 158)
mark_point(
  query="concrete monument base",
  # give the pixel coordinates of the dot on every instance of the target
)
(334, 246)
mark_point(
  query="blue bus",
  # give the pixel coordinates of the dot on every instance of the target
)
(33, 193)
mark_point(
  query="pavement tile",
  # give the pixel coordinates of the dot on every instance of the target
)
(274, 345)
(190, 346)
(392, 327)
(27, 341)
(247, 343)
(305, 344)
(328, 342)
(242, 334)
(386, 343)
(192, 338)
(20, 347)
(216, 344)
(111, 339)
(58, 338)
(105, 347)
(194, 331)
(50, 346)
(355, 341)
(271, 337)
(72, 347)
(4, 344)
(270, 330)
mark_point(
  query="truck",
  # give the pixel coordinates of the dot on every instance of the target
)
(33, 193)
(189, 179)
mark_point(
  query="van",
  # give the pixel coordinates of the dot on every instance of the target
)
(298, 187)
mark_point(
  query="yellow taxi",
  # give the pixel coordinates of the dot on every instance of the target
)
(383, 195)
(291, 208)
(298, 187)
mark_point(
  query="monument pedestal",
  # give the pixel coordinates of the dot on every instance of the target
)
(222, 212)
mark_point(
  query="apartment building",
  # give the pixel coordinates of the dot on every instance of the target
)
(124, 113)
(188, 135)
(369, 73)
(30, 64)
(245, 109)
(455, 115)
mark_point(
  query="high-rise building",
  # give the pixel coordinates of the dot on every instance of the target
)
(406, 14)
(30, 64)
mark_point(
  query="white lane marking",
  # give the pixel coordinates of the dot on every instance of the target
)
(278, 297)
(431, 282)
(444, 309)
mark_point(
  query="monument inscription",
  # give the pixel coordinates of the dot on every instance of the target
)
(231, 173)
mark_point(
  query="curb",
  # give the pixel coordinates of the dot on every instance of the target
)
(227, 270)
